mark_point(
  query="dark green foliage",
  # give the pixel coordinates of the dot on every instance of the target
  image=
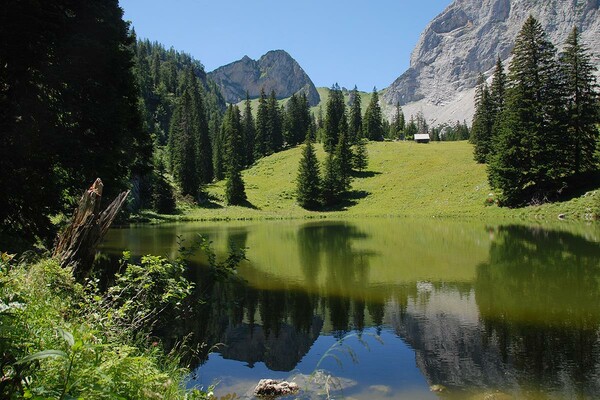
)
(235, 192)
(68, 108)
(308, 189)
(398, 124)
(411, 129)
(274, 125)
(336, 109)
(297, 119)
(530, 163)
(249, 133)
(483, 123)
(262, 127)
(361, 156)
(331, 189)
(182, 147)
(355, 132)
(343, 157)
(373, 122)
(163, 198)
(582, 104)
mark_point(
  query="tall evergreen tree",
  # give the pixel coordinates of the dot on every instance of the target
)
(343, 157)
(398, 124)
(373, 122)
(274, 124)
(361, 156)
(483, 122)
(262, 127)
(336, 108)
(498, 89)
(331, 188)
(182, 146)
(582, 103)
(355, 123)
(308, 191)
(249, 132)
(529, 160)
(235, 192)
(297, 119)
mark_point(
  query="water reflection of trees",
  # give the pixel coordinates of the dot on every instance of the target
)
(539, 299)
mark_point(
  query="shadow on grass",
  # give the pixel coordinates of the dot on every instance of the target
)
(579, 185)
(247, 204)
(350, 199)
(365, 174)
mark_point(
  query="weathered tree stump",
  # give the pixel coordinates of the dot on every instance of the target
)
(76, 245)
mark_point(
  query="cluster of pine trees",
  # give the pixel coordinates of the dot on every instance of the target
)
(340, 134)
(535, 127)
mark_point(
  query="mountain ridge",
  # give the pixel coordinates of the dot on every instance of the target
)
(275, 71)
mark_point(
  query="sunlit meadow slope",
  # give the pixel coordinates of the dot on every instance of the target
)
(439, 179)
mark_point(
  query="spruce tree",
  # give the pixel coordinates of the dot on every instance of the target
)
(361, 156)
(262, 127)
(203, 146)
(182, 147)
(529, 160)
(336, 108)
(330, 192)
(343, 157)
(398, 124)
(249, 133)
(308, 189)
(373, 123)
(235, 193)
(582, 104)
(355, 123)
(483, 122)
(274, 125)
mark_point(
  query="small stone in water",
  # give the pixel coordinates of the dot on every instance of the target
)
(273, 388)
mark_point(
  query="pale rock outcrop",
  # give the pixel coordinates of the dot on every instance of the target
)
(466, 40)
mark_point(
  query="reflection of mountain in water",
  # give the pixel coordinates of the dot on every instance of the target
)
(531, 322)
(282, 352)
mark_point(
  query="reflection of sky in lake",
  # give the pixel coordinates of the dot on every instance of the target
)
(385, 364)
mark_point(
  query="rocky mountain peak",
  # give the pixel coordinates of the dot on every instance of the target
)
(466, 39)
(276, 70)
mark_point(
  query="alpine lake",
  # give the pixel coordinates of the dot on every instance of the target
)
(389, 308)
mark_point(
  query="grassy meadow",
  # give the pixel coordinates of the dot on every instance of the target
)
(404, 179)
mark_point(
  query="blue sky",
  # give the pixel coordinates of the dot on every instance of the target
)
(362, 42)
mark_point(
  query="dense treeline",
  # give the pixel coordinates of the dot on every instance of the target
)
(68, 109)
(536, 126)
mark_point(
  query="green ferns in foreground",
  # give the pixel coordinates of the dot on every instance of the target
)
(62, 339)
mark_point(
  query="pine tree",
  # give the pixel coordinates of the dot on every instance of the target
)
(249, 135)
(330, 192)
(262, 127)
(182, 146)
(373, 124)
(274, 124)
(411, 129)
(343, 157)
(582, 104)
(203, 146)
(336, 108)
(528, 163)
(355, 123)
(297, 119)
(308, 181)
(398, 124)
(361, 156)
(483, 122)
(235, 193)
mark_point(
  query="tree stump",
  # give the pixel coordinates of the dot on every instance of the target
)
(76, 245)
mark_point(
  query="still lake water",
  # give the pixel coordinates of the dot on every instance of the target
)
(389, 308)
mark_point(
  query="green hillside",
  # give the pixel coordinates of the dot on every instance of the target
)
(439, 179)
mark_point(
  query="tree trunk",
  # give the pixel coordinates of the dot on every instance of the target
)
(76, 245)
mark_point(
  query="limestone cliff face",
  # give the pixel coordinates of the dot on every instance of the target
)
(467, 38)
(276, 70)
